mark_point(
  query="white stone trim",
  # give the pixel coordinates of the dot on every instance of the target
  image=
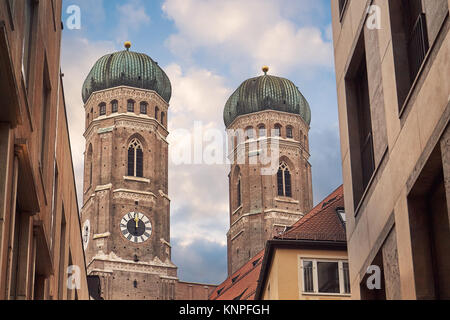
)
(136, 179)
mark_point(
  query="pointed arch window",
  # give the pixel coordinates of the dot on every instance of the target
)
(284, 181)
(239, 192)
(135, 159)
(89, 165)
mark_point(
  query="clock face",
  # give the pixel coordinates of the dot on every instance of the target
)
(136, 227)
(86, 233)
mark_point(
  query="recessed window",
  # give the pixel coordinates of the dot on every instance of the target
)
(262, 132)
(163, 118)
(249, 133)
(143, 108)
(325, 277)
(135, 159)
(156, 113)
(277, 131)
(239, 193)
(289, 132)
(114, 106)
(284, 181)
(130, 106)
(102, 108)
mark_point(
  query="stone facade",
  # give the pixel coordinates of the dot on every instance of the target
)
(261, 213)
(40, 236)
(129, 270)
(396, 195)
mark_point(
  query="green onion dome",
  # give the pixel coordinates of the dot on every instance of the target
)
(266, 93)
(127, 68)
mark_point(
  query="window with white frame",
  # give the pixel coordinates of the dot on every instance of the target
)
(325, 277)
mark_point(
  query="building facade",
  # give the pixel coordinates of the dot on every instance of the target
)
(392, 65)
(309, 261)
(41, 250)
(267, 120)
(126, 211)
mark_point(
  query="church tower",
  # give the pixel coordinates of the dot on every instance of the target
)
(262, 113)
(126, 208)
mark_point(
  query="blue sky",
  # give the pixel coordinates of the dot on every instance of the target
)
(208, 48)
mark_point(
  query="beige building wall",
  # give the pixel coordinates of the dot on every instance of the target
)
(40, 234)
(284, 279)
(409, 149)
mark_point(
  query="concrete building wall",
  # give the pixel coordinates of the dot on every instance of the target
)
(409, 116)
(284, 279)
(40, 234)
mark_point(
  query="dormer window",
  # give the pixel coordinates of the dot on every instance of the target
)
(341, 214)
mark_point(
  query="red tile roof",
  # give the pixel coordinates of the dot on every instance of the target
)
(242, 284)
(322, 223)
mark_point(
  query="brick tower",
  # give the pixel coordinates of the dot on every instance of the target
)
(126, 209)
(264, 112)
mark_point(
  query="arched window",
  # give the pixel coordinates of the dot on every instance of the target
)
(130, 106)
(249, 133)
(284, 181)
(144, 107)
(277, 131)
(262, 131)
(114, 106)
(289, 132)
(135, 159)
(163, 118)
(239, 192)
(102, 107)
(156, 113)
(89, 165)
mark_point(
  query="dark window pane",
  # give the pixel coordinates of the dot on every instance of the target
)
(239, 193)
(308, 276)
(103, 109)
(280, 183)
(328, 277)
(346, 277)
(139, 163)
(288, 187)
(130, 106)
(143, 108)
(114, 107)
(289, 133)
(131, 162)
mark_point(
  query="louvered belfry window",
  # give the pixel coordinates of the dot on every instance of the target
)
(135, 159)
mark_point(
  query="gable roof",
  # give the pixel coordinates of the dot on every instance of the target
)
(322, 223)
(242, 284)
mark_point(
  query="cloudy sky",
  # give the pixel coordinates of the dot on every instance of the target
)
(208, 48)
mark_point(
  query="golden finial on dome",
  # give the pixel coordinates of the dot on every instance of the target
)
(265, 69)
(127, 45)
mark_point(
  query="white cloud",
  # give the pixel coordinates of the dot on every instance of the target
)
(77, 58)
(199, 193)
(255, 32)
